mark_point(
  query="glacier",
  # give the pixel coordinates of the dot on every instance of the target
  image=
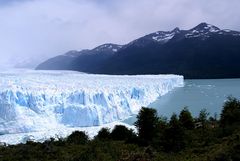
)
(35, 101)
(56, 133)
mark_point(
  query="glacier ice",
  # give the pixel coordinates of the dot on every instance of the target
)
(33, 101)
(63, 132)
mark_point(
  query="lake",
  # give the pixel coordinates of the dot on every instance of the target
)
(196, 95)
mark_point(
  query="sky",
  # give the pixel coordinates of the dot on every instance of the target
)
(34, 30)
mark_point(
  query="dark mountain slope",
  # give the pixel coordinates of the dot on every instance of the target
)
(202, 52)
(86, 60)
(215, 57)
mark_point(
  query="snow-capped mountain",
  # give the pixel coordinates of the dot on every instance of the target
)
(84, 59)
(205, 30)
(163, 36)
(202, 30)
(108, 48)
(205, 51)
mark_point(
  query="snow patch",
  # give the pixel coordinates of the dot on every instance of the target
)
(212, 28)
(163, 37)
(227, 30)
(204, 31)
(112, 47)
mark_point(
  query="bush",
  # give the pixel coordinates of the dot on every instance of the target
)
(120, 132)
(78, 137)
(103, 134)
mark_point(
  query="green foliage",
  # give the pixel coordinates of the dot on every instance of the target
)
(103, 134)
(186, 119)
(162, 123)
(120, 132)
(203, 118)
(146, 124)
(174, 122)
(174, 136)
(231, 112)
(160, 132)
(78, 137)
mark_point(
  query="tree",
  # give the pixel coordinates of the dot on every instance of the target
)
(203, 117)
(120, 132)
(174, 139)
(186, 119)
(174, 121)
(231, 112)
(103, 134)
(146, 124)
(158, 139)
(78, 137)
(162, 124)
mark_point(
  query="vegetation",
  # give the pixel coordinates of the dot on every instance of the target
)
(146, 124)
(181, 138)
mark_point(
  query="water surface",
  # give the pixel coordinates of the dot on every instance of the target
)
(196, 95)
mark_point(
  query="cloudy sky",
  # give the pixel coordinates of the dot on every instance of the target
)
(38, 29)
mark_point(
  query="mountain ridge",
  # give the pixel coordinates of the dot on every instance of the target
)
(204, 51)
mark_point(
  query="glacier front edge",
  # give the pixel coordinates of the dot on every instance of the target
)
(32, 101)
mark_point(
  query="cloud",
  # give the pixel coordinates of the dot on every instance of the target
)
(38, 29)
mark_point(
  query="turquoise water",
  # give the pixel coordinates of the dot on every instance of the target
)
(196, 95)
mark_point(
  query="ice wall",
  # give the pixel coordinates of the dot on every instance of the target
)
(40, 100)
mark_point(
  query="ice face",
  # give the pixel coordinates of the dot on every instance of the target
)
(32, 101)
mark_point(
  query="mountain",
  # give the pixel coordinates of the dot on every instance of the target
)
(85, 60)
(204, 51)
